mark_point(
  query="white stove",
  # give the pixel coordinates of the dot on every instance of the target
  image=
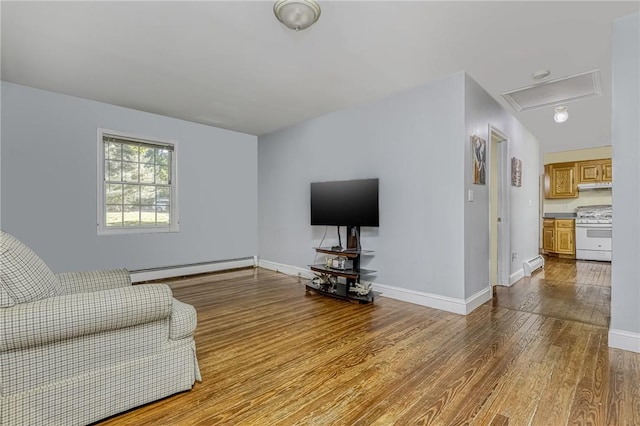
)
(593, 232)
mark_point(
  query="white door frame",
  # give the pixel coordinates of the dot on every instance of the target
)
(501, 263)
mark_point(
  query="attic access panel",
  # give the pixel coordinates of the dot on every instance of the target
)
(562, 90)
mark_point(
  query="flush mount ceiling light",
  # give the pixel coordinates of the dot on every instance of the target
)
(297, 14)
(541, 74)
(561, 114)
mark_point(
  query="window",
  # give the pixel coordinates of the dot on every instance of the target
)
(136, 184)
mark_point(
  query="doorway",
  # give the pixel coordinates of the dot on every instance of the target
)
(500, 240)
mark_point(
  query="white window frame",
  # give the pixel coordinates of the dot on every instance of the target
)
(174, 224)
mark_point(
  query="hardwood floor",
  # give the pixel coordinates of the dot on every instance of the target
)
(565, 289)
(273, 354)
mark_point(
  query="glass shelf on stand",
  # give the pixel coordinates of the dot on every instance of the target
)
(342, 283)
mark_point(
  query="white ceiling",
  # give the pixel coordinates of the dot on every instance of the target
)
(233, 65)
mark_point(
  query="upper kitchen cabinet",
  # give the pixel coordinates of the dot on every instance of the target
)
(560, 180)
(594, 171)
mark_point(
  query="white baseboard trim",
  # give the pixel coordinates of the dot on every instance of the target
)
(516, 276)
(430, 300)
(196, 268)
(478, 299)
(285, 269)
(444, 303)
(625, 340)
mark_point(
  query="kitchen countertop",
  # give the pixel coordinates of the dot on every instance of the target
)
(559, 216)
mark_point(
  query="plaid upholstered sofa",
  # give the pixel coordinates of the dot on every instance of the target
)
(78, 347)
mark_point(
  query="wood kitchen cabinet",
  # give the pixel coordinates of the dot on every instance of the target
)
(558, 237)
(594, 171)
(548, 235)
(560, 180)
(565, 236)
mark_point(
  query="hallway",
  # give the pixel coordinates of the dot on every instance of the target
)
(566, 289)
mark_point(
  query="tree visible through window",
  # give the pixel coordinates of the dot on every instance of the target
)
(137, 190)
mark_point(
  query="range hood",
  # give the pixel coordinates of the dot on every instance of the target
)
(594, 185)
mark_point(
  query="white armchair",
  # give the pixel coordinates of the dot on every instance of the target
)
(78, 347)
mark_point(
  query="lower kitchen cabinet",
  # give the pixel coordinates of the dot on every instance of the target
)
(558, 237)
(548, 235)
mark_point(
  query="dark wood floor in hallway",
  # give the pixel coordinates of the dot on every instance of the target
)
(273, 354)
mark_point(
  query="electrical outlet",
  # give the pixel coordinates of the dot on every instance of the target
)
(514, 255)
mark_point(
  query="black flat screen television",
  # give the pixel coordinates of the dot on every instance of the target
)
(345, 203)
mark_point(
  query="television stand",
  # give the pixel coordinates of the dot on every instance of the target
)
(342, 283)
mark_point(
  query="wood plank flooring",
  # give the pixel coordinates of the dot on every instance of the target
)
(273, 354)
(566, 289)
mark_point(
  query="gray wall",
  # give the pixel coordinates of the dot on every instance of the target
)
(417, 143)
(411, 142)
(49, 195)
(480, 111)
(625, 135)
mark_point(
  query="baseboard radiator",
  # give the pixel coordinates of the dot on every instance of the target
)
(532, 264)
(191, 268)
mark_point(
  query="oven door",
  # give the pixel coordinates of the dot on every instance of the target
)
(593, 241)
